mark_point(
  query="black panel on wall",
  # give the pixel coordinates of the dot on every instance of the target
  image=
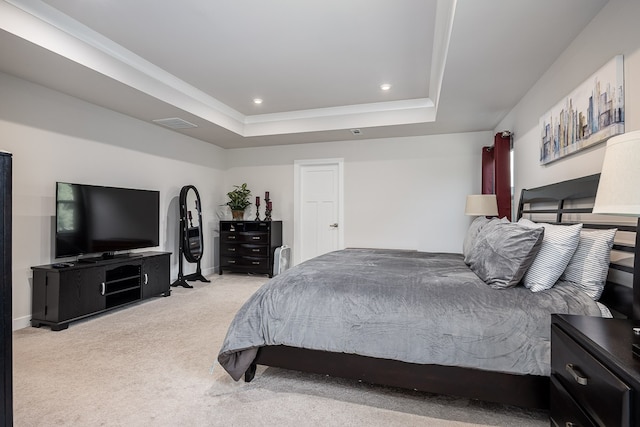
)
(6, 365)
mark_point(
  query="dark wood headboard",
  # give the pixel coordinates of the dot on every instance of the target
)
(571, 202)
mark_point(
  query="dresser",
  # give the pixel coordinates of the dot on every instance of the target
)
(595, 379)
(249, 246)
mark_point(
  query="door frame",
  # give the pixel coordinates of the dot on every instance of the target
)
(6, 321)
(298, 166)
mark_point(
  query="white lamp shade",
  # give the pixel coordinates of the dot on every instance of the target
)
(619, 187)
(481, 204)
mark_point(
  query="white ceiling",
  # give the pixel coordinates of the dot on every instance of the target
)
(454, 66)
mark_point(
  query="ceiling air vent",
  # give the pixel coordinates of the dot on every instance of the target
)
(175, 123)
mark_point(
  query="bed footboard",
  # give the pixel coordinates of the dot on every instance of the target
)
(529, 391)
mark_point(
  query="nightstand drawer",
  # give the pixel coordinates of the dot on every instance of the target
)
(599, 391)
(564, 410)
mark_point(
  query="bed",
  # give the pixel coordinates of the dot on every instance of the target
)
(427, 321)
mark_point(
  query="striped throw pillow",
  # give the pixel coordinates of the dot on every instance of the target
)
(589, 265)
(558, 246)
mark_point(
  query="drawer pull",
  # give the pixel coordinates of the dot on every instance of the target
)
(231, 249)
(255, 250)
(231, 261)
(256, 263)
(576, 374)
(256, 237)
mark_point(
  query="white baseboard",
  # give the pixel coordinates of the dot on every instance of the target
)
(25, 321)
(21, 323)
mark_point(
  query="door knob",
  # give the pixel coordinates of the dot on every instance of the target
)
(334, 225)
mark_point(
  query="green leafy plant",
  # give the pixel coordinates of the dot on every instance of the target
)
(239, 198)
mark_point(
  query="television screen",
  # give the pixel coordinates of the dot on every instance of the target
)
(93, 219)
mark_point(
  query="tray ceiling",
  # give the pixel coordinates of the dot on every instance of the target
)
(317, 65)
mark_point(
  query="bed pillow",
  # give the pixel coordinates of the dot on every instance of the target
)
(472, 234)
(589, 265)
(558, 246)
(503, 252)
(474, 231)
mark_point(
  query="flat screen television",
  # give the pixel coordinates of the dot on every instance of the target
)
(104, 220)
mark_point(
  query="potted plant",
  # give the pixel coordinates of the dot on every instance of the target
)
(239, 200)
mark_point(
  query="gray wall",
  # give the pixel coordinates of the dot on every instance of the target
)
(612, 32)
(54, 137)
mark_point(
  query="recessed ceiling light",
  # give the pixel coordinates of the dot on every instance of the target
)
(385, 86)
(257, 100)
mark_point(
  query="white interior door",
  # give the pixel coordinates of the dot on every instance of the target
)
(318, 227)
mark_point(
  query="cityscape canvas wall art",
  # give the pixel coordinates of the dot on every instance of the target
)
(591, 114)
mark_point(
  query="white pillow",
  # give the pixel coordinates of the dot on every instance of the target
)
(558, 246)
(589, 265)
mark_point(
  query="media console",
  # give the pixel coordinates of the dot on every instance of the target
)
(64, 293)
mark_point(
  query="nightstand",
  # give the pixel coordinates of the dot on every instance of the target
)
(595, 379)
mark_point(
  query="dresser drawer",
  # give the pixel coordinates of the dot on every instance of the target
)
(228, 237)
(254, 250)
(563, 410)
(235, 249)
(246, 262)
(599, 391)
(239, 226)
(244, 237)
(254, 237)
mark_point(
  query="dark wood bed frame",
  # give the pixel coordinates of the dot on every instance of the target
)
(520, 390)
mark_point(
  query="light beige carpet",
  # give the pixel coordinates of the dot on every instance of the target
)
(149, 364)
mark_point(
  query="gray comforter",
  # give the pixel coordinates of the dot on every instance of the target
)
(417, 307)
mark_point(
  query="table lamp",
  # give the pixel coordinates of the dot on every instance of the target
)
(619, 194)
(619, 187)
(481, 205)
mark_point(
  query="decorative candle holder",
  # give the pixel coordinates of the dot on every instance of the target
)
(267, 210)
(257, 208)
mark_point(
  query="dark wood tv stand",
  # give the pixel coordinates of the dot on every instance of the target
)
(64, 294)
